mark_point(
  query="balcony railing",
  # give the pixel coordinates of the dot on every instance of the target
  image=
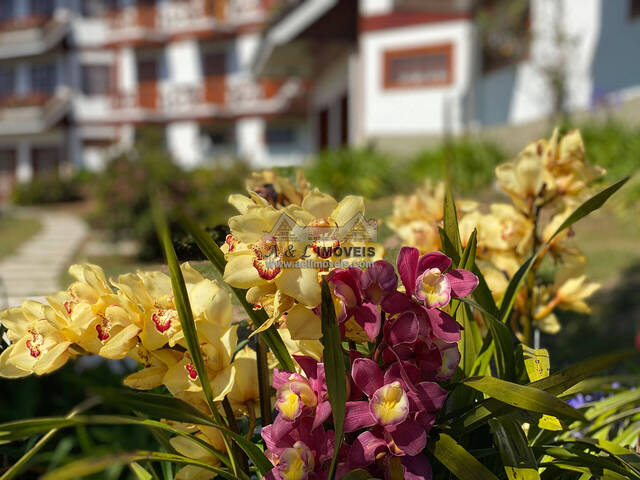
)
(32, 35)
(170, 18)
(239, 95)
(33, 112)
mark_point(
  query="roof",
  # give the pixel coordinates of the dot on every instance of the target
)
(287, 27)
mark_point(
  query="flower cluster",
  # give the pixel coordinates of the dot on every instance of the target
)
(394, 391)
(545, 183)
(279, 225)
(138, 319)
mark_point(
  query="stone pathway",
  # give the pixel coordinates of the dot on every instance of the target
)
(34, 269)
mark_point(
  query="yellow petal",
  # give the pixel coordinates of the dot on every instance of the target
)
(319, 204)
(133, 288)
(348, 208)
(301, 284)
(7, 368)
(240, 272)
(157, 284)
(121, 344)
(303, 324)
(53, 359)
(222, 383)
(241, 202)
(146, 379)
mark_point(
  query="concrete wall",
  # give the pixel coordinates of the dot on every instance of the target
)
(415, 110)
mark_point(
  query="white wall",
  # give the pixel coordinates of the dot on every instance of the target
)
(419, 110)
(581, 24)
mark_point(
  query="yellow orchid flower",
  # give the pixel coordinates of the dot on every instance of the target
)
(244, 394)
(505, 229)
(217, 346)
(152, 293)
(572, 288)
(90, 284)
(194, 450)
(38, 345)
(155, 365)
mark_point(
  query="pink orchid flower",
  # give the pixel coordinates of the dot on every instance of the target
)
(399, 415)
(301, 453)
(346, 287)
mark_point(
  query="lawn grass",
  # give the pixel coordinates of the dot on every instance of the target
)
(14, 231)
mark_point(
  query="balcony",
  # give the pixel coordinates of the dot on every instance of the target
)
(33, 112)
(152, 23)
(33, 35)
(226, 98)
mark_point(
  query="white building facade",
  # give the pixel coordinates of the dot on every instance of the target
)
(78, 77)
(420, 68)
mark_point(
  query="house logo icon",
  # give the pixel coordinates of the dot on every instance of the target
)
(357, 230)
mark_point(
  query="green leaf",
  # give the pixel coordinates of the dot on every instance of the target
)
(140, 472)
(153, 404)
(334, 370)
(523, 397)
(258, 317)
(560, 382)
(628, 458)
(459, 462)
(450, 221)
(88, 466)
(582, 211)
(518, 458)
(357, 475)
(613, 403)
(24, 428)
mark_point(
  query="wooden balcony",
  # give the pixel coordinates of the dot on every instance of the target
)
(33, 112)
(32, 35)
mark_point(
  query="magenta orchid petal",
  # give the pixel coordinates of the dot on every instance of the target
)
(443, 325)
(409, 437)
(417, 467)
(427, 397)
(357, 416)
(462, 282)
(323, 411)
(280, 377)
(378, 280)
(397, 303)
(433, 260)
(404, 329)
(280, 428)
(367, 375)
(426, 419)
(368, 317)
(364, 450)
(309, 366)
(398, 371)
(345, 282)
(408, 267)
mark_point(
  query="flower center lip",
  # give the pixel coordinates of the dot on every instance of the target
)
(163, 319)
(34, 343)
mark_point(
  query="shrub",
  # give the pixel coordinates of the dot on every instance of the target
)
(122, 192)
(358, 171)
(48, 189)
(469, 164)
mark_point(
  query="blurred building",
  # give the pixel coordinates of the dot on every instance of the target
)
(399, 73)
(78, 76)
(274, 80)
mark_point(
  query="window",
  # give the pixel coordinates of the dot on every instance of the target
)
(7, 83)
(280, 136)
(634, 8)
(214, 64)
(6, 10)
(42, 7)
(418, 67)
(46, 160)
(97, 8)
(43, 78)
(96, 79)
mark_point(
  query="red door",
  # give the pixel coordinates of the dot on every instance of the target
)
(323, 129)
(7, 172)
(147, 83)
(215, 68)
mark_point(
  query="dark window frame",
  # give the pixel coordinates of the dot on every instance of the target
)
(395, 55)
(101, 84)
(634, 9)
